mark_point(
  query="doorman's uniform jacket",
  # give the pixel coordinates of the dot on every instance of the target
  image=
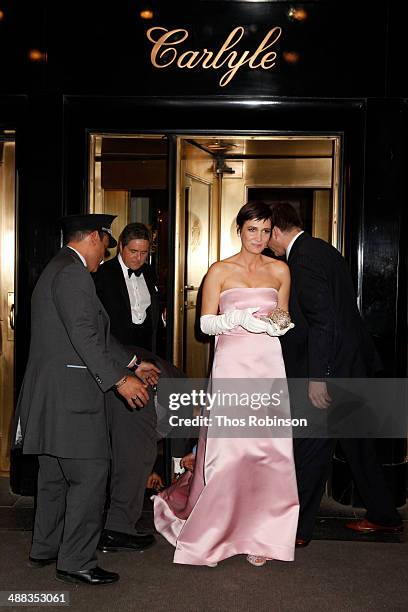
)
(73, 361)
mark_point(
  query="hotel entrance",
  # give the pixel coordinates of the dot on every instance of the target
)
(214, 175)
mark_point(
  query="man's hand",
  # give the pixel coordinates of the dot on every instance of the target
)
(134, 392)
(148, 373)
(154, 482)
(318, 394)
(188, 462)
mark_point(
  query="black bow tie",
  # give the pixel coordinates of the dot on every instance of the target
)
(137, 272)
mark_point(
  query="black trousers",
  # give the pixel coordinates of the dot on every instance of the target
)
(69, 513)
(313, 459)
(134, 449)
(141, 335)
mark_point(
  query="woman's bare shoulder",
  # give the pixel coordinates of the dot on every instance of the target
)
(279, 270)
(217, 270)
(279, 266)
(223, 265)
(216, 267)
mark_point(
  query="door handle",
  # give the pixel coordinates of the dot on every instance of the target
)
(189, 287)
(11, 317)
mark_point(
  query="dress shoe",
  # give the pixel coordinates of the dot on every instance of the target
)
(301, 543)
(115, 541)
(36, 563)
(95, 575)
(364, 526)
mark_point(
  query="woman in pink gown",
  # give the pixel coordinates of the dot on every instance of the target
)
(242, 496)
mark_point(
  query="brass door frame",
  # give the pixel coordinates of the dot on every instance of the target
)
(187, 289)
(7, 286)
(180, 244)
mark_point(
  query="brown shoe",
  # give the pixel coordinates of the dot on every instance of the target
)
(364, 526)
(301, 543)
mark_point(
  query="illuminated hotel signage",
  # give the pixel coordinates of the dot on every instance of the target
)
(168, 50)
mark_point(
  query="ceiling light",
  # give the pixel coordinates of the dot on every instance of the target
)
(221, 145)
(146, 14)
(297, 13)
(291, 57)
(35, 55)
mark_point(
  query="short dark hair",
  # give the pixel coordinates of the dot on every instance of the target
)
(134, 231)
(253, 211)
(284, 216)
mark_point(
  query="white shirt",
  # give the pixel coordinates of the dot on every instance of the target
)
(139, 295)
(290, 245)
(81, 257)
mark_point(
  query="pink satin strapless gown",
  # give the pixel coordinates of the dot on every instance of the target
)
(242, 497)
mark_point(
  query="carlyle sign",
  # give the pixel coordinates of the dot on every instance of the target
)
(168, 51)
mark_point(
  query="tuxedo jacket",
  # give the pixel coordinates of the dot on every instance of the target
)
(73, 361)
(329, 338)
(112, 290)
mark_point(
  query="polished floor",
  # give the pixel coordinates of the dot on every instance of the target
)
(334, 573)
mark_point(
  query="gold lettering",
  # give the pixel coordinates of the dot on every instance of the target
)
(268, 57)
(263, 46)
(240, 31)
(164, 52)
(230, 58)
(226, 78)
(181, 63)
(161, 42)
(208, 59)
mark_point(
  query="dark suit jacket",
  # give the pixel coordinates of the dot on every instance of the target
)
(329, 338)
(113, 293)
(73, 361)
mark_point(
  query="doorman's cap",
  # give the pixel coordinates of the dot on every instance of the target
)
(75, 223)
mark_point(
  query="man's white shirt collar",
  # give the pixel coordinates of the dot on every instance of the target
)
(290, 245)
(81, 257)
(139, 295)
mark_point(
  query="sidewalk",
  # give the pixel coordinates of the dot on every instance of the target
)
(328, 575)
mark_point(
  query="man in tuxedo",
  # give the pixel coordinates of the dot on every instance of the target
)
(127, 287)
(329, 340)
(73, 362)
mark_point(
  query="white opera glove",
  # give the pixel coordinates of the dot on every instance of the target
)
(213, 325)
(274, 330)
(251, 323)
